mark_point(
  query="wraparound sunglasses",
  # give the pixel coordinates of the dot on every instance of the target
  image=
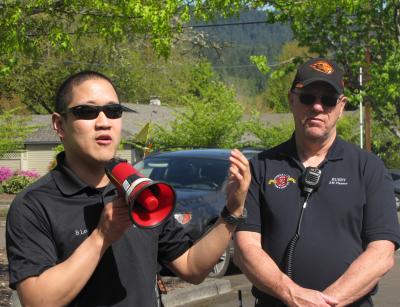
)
(309, 99)
(85, 111)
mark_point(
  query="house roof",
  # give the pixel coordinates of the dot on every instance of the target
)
(132, 122)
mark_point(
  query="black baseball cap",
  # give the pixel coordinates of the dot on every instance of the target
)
(319, 69)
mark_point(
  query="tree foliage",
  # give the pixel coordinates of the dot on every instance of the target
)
(280, 80)
(211, 117)
(268, 136)
(356, 33)
(25, 24)
(13, 131)
(243, 36)
(138, 73)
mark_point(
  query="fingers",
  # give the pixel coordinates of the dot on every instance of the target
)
(117, 210)
(239, 165)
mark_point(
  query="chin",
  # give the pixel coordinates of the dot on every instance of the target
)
(315, 135)
(104, 157)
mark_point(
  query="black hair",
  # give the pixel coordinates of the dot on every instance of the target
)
(64, 92)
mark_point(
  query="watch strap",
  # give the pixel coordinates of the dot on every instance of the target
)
(233, 219)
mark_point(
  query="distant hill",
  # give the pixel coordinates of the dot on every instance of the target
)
(241, 42)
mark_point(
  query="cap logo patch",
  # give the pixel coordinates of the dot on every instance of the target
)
(323, 67)
(281, 181)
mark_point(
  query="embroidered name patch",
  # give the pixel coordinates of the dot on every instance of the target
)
(338, 181)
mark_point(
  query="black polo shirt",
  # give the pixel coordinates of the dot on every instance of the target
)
(354, 206)
(52, 217)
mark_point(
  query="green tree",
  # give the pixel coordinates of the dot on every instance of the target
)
(138, 74)
(348, 128)
(280, 80)
(25, 24)
(356, 33)
(211, 117)
(268, 136)
(13, 131)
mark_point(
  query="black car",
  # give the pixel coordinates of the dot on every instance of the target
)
(396, 180)
(199, 179)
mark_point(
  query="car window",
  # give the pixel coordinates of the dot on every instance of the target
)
(395, 176)
(188, 173)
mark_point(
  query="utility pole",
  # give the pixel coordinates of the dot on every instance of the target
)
(361, 113)
(368, 109)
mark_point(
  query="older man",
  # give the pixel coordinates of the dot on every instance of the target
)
(322, 225)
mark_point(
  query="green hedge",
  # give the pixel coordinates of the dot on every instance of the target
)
(16, 184)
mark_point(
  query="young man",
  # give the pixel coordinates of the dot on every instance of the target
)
(326, 235)
(69, 237)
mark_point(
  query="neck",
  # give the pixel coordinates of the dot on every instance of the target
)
(312, 153)
(92, 173)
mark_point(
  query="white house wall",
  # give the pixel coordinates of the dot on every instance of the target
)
(39, 158)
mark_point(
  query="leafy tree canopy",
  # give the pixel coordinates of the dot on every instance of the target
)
(24, 24)
(211, 116)
(356, 33)
(15, 126)
(275, 97)
(137, 72)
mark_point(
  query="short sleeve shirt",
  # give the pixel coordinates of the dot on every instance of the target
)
(353, 206)
(52, 217)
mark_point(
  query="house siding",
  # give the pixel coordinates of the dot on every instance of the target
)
(39, 157)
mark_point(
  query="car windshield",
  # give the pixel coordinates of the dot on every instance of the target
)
(395, 176)
(186, 172)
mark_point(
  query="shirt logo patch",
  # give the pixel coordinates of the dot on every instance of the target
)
(338, 181)
(281, 181)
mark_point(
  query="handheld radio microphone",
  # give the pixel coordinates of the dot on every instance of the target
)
(311, 179)
(150, 202)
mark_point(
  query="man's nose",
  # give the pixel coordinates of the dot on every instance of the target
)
(102, 120)
(318, 103)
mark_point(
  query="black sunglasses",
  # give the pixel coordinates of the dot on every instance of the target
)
(85, 111)
(309, 99)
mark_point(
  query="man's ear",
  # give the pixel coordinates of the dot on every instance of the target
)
(342, 102)
(58, 126)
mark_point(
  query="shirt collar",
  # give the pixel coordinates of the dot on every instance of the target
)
(67, 182)
(335, 152)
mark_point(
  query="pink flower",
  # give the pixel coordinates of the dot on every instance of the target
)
(31, 174)
(5, 173)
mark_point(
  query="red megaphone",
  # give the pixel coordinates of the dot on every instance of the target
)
(150, 202)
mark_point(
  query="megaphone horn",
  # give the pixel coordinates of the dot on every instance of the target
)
(150, 202)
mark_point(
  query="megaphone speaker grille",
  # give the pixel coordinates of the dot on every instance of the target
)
(164, 194)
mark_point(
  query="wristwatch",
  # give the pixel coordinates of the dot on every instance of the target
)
(233, 219)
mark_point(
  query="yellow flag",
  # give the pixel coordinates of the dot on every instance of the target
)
(143, 135)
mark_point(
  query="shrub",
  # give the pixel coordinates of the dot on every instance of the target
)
(16, 184)
(32, 174)
(5, 173)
